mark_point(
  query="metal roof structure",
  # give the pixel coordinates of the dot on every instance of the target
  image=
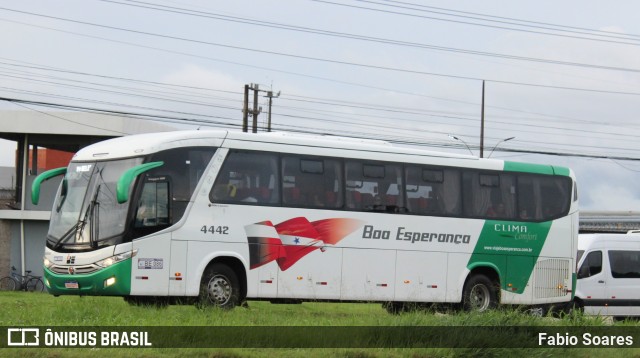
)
(70, 131)
(609, 221)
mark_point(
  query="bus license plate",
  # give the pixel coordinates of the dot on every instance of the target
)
(71, 284)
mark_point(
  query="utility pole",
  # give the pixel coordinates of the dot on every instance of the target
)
(245, 110)
(270, 95)
(255, 112)
(482, 124)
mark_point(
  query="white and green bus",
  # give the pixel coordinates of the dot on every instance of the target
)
(221, 217)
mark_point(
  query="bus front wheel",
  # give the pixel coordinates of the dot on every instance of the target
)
(479, 294)
(219, 287)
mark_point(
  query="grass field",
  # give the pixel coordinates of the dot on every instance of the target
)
(30, 309)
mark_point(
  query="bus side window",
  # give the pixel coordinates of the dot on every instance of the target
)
(432, 190)
(182, 169)
(489, 195)
(543, 197)
(418, 191)
(311, 182)
(153, 207)
(592, 265)
(247, 177)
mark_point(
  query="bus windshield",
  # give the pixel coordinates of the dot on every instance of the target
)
(88, 192)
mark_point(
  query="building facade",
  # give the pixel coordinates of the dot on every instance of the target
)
(44, 141)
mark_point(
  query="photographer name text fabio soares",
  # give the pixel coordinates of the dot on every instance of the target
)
(587, 339)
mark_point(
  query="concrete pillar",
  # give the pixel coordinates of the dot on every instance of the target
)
(5, 247)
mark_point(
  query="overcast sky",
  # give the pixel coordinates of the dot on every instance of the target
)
(560, 76)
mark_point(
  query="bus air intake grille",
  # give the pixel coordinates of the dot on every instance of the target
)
(550, 276)
(75, 270)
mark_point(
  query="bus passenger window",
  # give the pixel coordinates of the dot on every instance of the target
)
(311, 182)
(543, 197)
(489, 195)
(374, 186)
(182, 169)
(246, 178)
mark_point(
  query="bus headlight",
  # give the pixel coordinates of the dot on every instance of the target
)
(46, 262)
(116, 258)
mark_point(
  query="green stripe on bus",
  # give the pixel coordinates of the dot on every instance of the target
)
(535, 168)
(510, 248)
(528, 168)
(561, 170)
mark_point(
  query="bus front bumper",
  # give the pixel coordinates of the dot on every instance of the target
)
(114, 280)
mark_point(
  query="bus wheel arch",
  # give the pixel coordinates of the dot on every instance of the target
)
(481, 290)
(223, 283)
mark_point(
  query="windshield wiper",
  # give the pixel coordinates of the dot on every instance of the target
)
(94, 227)
(66, 236)
(79, 226)
(89, 215)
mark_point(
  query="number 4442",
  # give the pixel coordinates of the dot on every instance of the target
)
(220, 230)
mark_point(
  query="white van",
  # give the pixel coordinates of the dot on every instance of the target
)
(609, 274)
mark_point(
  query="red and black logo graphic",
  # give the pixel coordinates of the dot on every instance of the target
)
(291, 240)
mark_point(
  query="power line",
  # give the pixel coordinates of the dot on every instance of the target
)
(351, 106)
(305, 75)
(378, 126)
(564, 128)
(55, 69)
(485, 25)
(191, 121)
(123, 93)
(512, 19)
(421, 112)
(299, 98)
(347, 63)
(389, 110)
(391, 127)
(183, 11)
(401, 111)
(494, 124)
(76, 107)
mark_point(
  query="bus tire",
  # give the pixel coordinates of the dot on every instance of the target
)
(219, 287)
(479, 294)
(575, 307)
(394, 307)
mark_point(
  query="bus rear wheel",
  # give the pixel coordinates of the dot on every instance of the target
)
(479, 294)
(219, 287)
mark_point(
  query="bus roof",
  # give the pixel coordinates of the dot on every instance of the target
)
(140, 144)
(144, 144)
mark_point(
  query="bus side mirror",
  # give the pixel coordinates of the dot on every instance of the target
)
(37, 183)
(122, 187)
